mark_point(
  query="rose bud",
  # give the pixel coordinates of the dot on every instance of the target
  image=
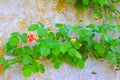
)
(73, 40)
(96, 17)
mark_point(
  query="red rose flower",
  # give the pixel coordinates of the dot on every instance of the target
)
(31, 37)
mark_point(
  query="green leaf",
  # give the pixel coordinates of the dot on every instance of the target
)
(76, 28)
(44, 51)
(118, 27)
(33, 27)
(6, 66)
(118, 55)
(59, 25)
(41, 24)
(71, 52)
(109, 56)
(79, 5)
(57, 63)
(63, 31)
(26, 70)
(15, 34)
(58, 35)
(19, 51)
(95, 1)
(34, 67)
(50, 44)
(85, 32)
(76, 45)
(27, 50)
(27, 59)
(55, 51)
(93, 27)
(114, 42)
(100, 15)
(42, 32)
(36, 50)
(98, 47)
(107, 37)
(77, 54)
(67, 27)
(85, 2)
(69, 1)
(13, 41)
(81, 64)
(109, 17)
(107, 26)
(24, 37)
(114, 61)
(9, 52)
(42, 69)
(9, 49)
(102, 1)
(2, 60)
(64, 48)
(51, 35)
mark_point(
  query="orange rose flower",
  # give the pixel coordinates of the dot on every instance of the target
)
(31, 37)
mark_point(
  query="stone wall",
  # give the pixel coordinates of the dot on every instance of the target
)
(17, 15)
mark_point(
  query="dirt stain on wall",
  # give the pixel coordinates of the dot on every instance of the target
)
(23, 24)
(1, 69)
(1, 55)
(60, 5)
(8, 77)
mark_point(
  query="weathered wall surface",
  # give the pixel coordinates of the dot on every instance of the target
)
(17, 15)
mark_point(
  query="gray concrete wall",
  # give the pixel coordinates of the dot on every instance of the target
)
(17, 15)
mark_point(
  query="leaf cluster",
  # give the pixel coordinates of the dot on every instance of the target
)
(99, 7)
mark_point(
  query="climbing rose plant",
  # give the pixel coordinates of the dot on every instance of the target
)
(60, 46)
(99, 7)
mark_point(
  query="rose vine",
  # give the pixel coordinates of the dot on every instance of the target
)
(60, 46)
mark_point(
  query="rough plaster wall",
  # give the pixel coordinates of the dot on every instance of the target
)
(17, 15)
